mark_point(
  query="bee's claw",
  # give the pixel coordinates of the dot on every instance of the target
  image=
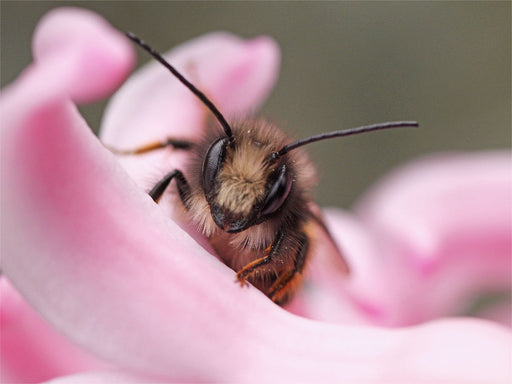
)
(240, 279)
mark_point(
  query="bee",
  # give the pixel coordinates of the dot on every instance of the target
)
(249, 190)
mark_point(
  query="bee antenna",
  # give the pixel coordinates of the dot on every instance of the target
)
(200, 95)
(344, 132)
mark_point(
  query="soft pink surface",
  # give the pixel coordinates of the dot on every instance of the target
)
(31, 349)
(107, 268)
(437, 236)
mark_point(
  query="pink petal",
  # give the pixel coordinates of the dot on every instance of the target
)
(328, 296)
(401, 360)
(100, 261)
(71, 60)
(31, 350)
(85, 53)
(104, 377)
(444, 231)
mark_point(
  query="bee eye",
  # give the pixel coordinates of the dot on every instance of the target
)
(279, 189)
(212, 163)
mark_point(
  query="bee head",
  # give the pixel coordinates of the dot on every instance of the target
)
(241, 185)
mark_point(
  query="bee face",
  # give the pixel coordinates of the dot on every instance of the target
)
(242, 185)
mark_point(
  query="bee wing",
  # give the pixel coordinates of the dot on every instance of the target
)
(326, 247)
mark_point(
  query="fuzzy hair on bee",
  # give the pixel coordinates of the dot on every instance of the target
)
(249, 191)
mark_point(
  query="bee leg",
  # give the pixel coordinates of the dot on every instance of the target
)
(270, 254)
(183, 188)
(170, 142)
(279, 292)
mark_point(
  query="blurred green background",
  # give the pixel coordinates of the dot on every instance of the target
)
(344, 64)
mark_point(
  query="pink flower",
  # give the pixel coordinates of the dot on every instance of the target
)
(102, 284)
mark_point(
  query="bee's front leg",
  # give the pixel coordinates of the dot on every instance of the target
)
(183, 188)
(283, 288)
(287, 254)
(256, 266)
